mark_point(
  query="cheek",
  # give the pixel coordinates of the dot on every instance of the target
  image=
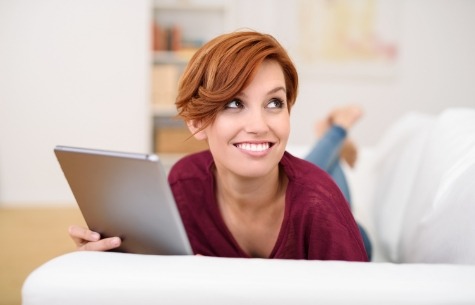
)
(219, 132)
(281, 125)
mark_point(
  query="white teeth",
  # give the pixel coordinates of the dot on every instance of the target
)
(253, 147)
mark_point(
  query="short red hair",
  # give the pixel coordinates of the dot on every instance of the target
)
(223, 67)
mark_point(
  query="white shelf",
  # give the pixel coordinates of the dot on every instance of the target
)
(163, 110)
(179, 58)
(190, 7)
(199, 22)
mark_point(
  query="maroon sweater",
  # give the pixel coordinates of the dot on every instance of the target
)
(317, 224)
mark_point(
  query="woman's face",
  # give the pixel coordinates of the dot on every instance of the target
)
(248, 137)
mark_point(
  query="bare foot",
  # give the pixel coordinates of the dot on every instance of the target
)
(321, 127)
(346, 116)
(349, 152)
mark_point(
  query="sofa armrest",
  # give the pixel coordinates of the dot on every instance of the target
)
(117, 278)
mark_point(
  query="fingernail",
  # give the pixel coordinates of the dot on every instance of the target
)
(115, 241)
(96, 236)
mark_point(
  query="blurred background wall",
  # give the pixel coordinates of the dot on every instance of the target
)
(78, 73)
(71, 73)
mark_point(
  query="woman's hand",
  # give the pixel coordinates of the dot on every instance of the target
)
(87, 240)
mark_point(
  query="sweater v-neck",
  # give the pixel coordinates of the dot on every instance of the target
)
(214, 208)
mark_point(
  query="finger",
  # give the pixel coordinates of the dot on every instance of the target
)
(81, 233)
(102, 245)
(81, 236)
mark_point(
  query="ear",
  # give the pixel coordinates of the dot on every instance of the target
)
(194, 127)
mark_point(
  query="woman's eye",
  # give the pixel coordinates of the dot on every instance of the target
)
(234, 104)
(275, 103)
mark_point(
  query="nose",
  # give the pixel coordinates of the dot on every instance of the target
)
(255, 121)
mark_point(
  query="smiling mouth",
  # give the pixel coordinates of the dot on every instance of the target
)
(254, 147)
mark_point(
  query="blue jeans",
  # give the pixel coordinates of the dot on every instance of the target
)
(326, 155)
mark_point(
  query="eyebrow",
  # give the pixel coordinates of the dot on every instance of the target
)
(276, 89)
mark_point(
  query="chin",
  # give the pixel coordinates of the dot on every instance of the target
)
(256, 170)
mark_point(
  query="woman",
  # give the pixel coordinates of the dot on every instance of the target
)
(246, 196)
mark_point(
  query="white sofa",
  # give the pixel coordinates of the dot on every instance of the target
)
(414, 192)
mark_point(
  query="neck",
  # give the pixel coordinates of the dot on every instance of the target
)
(250, 194)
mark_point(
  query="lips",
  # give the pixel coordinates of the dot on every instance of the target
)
(254, 147)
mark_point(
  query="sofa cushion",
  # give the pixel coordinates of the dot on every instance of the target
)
(439, 224)
(392, 171)
(117, 278)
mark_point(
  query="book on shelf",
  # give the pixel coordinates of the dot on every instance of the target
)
(166, 38)
(171, 38)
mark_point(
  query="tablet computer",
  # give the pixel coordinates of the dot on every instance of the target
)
(125, 195)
